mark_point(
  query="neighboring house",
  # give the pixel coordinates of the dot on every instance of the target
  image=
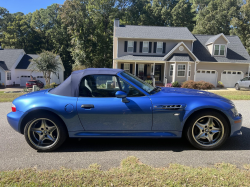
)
(175, 54)
(15, 68)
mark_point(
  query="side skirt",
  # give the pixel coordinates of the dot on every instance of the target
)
(113, 134)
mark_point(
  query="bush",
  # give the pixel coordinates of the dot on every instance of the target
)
(175, 84)
(51, 85)
(149, 82)
(220, 85)
(200, 85)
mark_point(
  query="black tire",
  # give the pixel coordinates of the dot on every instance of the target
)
(237, 87)
(31, 136)
(202, 119)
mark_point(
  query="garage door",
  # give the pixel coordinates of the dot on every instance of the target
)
(229, 78)
(24, 79)
(207, 75)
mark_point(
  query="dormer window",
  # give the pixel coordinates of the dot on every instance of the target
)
(145, 47)
(159, 47)
(219, 50)
(130, 46)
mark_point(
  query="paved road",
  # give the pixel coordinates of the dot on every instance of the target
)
(15, 152)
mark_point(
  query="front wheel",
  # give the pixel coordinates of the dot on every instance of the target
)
(237, 87)
(45, 132)
(207, 130)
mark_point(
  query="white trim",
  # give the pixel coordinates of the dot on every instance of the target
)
(195, 66)
(181, 70)
(174, 73)
(171, 70)
(188, 69)
(225, 62)
(178, 45)
(164, 72)
(135, 69)
(157, 39)
(192, 46)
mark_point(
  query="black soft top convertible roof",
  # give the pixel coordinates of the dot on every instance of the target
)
(70, 87)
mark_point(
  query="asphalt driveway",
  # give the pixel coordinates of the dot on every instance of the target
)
(15, 152)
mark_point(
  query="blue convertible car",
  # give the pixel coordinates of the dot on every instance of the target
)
(114, 103)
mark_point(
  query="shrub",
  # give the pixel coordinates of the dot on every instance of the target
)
(200, 85)
(175, 84)
(51, 85)
(220, 85)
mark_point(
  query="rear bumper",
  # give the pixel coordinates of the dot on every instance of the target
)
(13, 119)
(236, 124)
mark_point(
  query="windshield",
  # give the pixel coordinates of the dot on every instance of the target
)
(137, 81)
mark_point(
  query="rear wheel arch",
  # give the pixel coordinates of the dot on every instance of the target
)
(27, 118)
(184, 129)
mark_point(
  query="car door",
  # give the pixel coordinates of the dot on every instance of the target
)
(243, 82)
(247, 83)
(100, 110)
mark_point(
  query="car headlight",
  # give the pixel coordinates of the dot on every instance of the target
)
(234, 111)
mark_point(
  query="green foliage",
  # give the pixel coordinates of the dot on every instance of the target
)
(175, 84)
(47, 63)
(220, 85)
(149, 82)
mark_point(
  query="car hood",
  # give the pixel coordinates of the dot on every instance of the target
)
(187, 92)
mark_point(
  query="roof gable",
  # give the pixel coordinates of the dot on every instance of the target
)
(26, 60)
(216, 37)
(154, 32)
(8, 57)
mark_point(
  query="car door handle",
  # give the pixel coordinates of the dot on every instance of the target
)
(88, 106)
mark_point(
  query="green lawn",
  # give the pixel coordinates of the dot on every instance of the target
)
(131, 173)
(234, 95)
(8, 97)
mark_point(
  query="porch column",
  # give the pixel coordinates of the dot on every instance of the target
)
(187, 70)
(116, 65)
(165, 78)
(153, 79)
(195, 71)
(135, 69)
(248, 69)
(174, 73)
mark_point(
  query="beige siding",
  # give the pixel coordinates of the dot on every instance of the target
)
(220, 40)
(220, 67)
(170, 44)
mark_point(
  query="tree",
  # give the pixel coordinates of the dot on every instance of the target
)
(216, 17)
(47, 63)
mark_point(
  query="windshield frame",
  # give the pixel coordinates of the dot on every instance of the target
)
(137, 82)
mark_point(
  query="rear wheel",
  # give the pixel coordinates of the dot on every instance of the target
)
(45, 132)
(207, 130)
(237, 87)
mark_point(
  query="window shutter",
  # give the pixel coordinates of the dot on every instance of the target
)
(149, 47)
(136, 70)
(131, 68)
(145, 70)
(155, 45)
(125, 46)
(141, 43)
(122, 66)
(135, 47)
(164, 47)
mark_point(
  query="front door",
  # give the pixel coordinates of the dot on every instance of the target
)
(157, 72)
(100, 110)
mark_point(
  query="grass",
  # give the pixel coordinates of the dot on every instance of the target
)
(234, 95)
(8, 97)
(131, 173)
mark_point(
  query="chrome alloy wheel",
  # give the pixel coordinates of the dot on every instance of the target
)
(43, 133)
(208, 131)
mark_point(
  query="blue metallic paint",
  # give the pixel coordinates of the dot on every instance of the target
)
(138, 118)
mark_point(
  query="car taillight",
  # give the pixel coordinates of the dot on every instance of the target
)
(13, 107)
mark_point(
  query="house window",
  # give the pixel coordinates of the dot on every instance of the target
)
(219, 50)
(127, 67)
(130, 46)
(145, 47)
(8, 75)
(171, 70)
(159, 47)
(189, 71)
(181, 70)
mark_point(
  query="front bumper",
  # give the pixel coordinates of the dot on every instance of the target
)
(236, 124)
(13, 119)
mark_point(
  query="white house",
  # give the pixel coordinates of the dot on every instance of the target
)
(15, 68)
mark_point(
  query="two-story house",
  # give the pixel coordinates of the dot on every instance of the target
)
(175, 54)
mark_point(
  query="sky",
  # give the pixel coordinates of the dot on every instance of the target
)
(27, 6)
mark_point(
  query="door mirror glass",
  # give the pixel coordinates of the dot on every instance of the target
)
(120, 94)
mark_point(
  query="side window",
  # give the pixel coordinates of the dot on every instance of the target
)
(98, 86)
(130, 90)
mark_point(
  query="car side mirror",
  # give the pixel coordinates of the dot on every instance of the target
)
(123, 95)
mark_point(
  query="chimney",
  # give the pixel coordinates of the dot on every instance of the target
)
(116, 22)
